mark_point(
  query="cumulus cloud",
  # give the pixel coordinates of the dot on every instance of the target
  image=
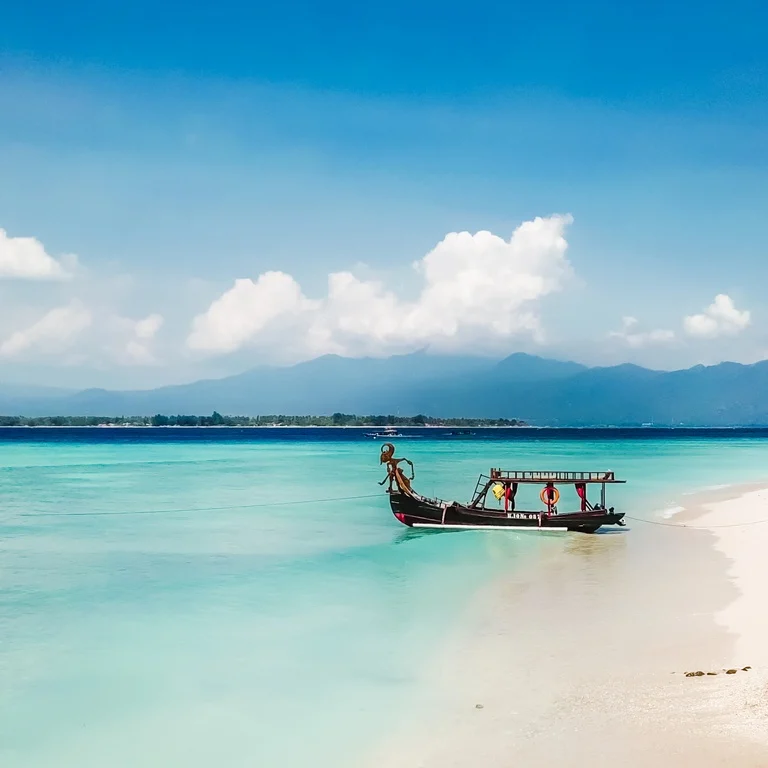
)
(51, 334)
(88, 329)
(721, 318)
(149, 326)
(96, 336)
(473, 287)
(136, 353)
(636, 338)
(25, 258)
(245, 310)
(138, 349)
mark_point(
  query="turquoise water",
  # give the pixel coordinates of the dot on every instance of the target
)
(148, 617)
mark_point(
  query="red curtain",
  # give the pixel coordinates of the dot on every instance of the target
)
(581, 489)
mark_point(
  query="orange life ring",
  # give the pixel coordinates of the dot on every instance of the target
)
(545, 497)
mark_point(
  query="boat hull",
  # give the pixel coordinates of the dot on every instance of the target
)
(418, 512)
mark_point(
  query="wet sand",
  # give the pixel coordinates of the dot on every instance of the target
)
(581, 660)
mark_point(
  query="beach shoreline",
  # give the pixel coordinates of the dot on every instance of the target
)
(582, 660)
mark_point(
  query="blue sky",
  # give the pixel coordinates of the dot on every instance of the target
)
(177, 148)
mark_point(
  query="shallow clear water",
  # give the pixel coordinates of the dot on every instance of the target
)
(152, 614)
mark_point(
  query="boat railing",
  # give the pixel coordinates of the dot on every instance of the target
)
(539, 476)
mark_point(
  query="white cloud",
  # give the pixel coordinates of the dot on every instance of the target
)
(75, 333)
(245, 310)
(129, 342)
(149, 326)
(25, 258)
(89, 329)
(637, 339)
(136, 353)
(721, 318)
(474, 289)
(51, 334)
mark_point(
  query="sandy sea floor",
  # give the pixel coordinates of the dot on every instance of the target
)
(581, 660)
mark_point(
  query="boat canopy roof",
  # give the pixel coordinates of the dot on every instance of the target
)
(543, 476)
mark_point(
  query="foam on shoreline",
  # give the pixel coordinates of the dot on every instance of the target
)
(670, 512)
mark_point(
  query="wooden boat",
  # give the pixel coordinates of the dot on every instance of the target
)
(417, 511)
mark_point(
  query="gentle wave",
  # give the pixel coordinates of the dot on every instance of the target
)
(671, 511)
(718, 487)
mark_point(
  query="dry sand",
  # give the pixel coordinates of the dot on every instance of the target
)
(581, 659)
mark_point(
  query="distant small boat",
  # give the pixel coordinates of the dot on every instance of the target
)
(385, 433)
(417, 511)
(459, 433)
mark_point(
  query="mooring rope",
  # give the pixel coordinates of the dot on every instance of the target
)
(199, 509)
(695, 527)
(180, 510)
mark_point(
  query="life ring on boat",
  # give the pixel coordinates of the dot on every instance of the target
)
(550, 496)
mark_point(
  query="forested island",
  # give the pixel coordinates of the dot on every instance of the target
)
(281, 420)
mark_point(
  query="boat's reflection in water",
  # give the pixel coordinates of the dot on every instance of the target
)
(412, 534)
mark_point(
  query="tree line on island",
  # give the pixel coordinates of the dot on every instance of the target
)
(281, 420)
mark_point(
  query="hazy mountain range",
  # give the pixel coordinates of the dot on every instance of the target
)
(537, 390)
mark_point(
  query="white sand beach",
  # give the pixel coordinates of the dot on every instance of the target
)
(582, 659)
